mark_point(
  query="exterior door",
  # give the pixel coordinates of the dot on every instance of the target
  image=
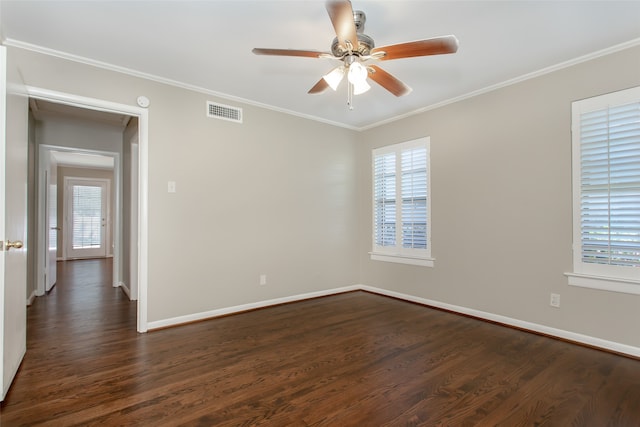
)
(86, 235)
(14, 119)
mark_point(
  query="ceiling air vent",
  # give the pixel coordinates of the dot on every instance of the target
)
(224, 112)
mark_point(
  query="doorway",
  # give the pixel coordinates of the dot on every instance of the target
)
(125, 246)
(56, 165)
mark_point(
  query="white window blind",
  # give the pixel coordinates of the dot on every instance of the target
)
(87, 217)
(385, 199)
(606, 150)
(401, 201)
(414, 198)
(610, 202)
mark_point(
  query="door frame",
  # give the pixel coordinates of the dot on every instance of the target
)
(43, 225)
(43, 162)
(133, 221)
(143, 178)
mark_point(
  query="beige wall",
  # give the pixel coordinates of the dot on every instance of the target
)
(276, 195)
(78, 133)
(501, 203)
(290, 198)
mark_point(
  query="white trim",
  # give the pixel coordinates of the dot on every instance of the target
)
(133, 219)
(31, 298)
(174, 321)
(535, 327)
(613, 284)
(143, 214)
(84, 102)
(402, 259)
(521, 324)
(87, 61)
(143, 184)
(124, 288)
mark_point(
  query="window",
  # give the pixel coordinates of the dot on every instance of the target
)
(401, 203)
(606, 192)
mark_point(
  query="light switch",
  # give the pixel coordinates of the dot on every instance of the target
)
(171, 186)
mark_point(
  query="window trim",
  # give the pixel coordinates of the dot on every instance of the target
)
(402, 259)
(613, 284)
(589, 275)
(397, 254)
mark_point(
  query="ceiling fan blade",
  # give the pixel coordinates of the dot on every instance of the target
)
(434, 46)
(341, 14)
(319, 87)
(290, 52)
(388, 82)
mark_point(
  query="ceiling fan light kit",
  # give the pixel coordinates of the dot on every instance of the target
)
(355, 49)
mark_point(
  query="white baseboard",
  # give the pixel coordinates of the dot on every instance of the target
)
(31, 298)
(124, 287)
(521, 324)
(534, 327)
(245, 307)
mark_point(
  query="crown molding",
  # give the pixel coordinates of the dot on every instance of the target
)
(506, 83)
(111, 67)
(152, 77)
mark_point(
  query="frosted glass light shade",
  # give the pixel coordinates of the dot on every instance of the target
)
(358, 78)
(334, 77)
(357, 73)
(360, 87)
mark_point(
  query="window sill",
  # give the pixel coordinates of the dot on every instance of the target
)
(613, 284)
(402, 259)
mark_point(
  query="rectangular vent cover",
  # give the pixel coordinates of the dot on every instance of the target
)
(224, 112)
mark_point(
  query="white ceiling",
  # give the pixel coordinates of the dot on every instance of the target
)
(207, 45)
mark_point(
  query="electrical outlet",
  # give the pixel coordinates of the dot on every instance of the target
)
(263, 279)
(555, 300)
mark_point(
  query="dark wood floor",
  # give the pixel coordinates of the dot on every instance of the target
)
(354, 359)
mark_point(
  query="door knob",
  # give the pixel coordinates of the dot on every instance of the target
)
(16, 245)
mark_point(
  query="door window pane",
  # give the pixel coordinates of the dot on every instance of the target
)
(87, 217)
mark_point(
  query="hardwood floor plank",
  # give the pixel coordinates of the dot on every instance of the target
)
(354, 359)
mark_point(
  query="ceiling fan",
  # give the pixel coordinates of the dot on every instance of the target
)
(358, 53)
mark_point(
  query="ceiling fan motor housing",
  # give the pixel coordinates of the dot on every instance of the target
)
(365, 43)
(359, 18)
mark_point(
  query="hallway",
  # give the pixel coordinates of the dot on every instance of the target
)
(69, 332)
